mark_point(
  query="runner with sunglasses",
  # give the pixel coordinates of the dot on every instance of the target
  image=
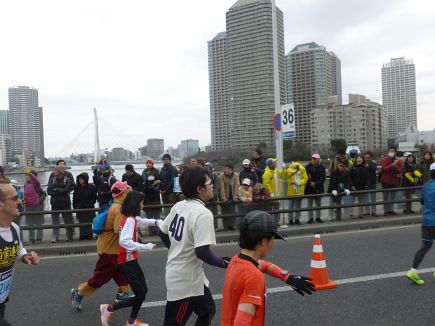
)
(11, 246)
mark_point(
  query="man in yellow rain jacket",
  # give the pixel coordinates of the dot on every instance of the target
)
(272, 178)
(296, 177)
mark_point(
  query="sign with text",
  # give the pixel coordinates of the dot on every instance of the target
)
(288, 126)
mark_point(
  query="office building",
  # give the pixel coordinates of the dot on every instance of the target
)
(188, 147)
(313, 74)
(4, 121)
(241, 75)
(26, 122)
(155, 148)
(361, 122)
(399, 95)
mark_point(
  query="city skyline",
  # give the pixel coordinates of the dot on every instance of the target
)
(132, 66)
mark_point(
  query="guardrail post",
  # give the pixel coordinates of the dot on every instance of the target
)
(69, 234)
(338, 209)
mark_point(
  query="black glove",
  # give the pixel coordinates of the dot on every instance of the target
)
(300, 284)
(226, 261)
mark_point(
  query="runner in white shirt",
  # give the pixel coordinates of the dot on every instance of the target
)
(11, 246)
(188, 231)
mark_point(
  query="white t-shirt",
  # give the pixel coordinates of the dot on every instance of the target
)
(189, 226)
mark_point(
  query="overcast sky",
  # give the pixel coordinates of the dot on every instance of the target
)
(143, 64)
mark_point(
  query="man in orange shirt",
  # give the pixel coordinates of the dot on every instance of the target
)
(245, 285)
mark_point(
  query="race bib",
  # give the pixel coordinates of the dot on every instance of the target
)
(5, 284)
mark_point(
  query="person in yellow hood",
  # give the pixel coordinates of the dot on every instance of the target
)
(296, 178)
(272, 184)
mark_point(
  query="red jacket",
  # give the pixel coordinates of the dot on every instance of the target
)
(391, 173)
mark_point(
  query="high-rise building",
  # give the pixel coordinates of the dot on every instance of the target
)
(188, 147)
(361, 122)
(155, 147)
(242, 76)
(25, 122)
(220, 138)
(312, 75)
(4, 121)
(399, 95)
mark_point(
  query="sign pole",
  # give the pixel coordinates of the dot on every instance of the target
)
(279, 147)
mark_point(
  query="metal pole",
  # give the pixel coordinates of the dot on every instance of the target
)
(97, 139)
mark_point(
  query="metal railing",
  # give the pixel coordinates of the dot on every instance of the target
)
(264, 205)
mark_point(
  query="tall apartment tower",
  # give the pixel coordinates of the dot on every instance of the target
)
(155, 147)
(245, 77)
(220, 138)
(399, 95)
(312, 75)
(25, 122)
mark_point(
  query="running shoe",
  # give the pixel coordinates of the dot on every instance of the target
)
(414, 277)
(137, 322)
(120, 296)
(76, 300)
(106, 315)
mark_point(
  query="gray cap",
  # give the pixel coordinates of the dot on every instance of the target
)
(209, 164)
(261, 222)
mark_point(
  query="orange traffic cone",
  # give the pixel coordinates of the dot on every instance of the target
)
(318, 270)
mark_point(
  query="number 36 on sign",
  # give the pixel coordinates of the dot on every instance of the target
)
(288, 128)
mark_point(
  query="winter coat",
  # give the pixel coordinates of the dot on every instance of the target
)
(340, 180)
(59, 189)
(259, 166)
(296, 179)
(317, 174)
(272, 182)
(391, 173)
(151, 188)
(32, 191)
(84, 196)
(145, 174)
(411, 177)
(248, 174)
(372, 168)
(135, 181)
(166, 176)
(103, 183)
(358, 175)
(216, 184)
(245, 196)
(423, 167)
(225, 184)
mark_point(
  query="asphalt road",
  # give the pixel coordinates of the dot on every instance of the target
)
(40, 294)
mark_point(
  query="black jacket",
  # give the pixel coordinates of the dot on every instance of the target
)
(59, 189)
(84, 196)
(371, 175)
(259, 166)
(166, 176)
(151, 188)
(358, 175)
(340, 181)
(248, 174)
(135, 181)
(103, 183)
(316, 173)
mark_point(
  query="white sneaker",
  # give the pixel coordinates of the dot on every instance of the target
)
(331, 219)
(106, 315)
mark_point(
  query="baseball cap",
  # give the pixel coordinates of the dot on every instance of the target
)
(432, 166)
(14, 182)
(261, 222)
(406, 154)
(246, 181)
(209, 164)
(270, 160)
(246, 162)
(316, 156)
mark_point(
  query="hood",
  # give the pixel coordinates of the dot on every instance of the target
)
(121, 197)
(292, 167)
(83, 175)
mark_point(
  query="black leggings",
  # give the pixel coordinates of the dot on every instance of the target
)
(178, 312)
(419, 255)
(136, 279)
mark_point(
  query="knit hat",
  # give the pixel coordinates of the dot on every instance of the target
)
(149, 161)
(118, 188)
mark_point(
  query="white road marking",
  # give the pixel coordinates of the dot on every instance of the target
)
(339, 282)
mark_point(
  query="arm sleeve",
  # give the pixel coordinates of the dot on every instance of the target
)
(142, 222)
(36, 183)
(126, 236)
(243, 319)
(273, 270)
(207, 256)
(165, 239)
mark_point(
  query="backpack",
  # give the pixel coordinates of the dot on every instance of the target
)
(100, 219)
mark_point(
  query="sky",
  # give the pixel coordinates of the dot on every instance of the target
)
(144, 64)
